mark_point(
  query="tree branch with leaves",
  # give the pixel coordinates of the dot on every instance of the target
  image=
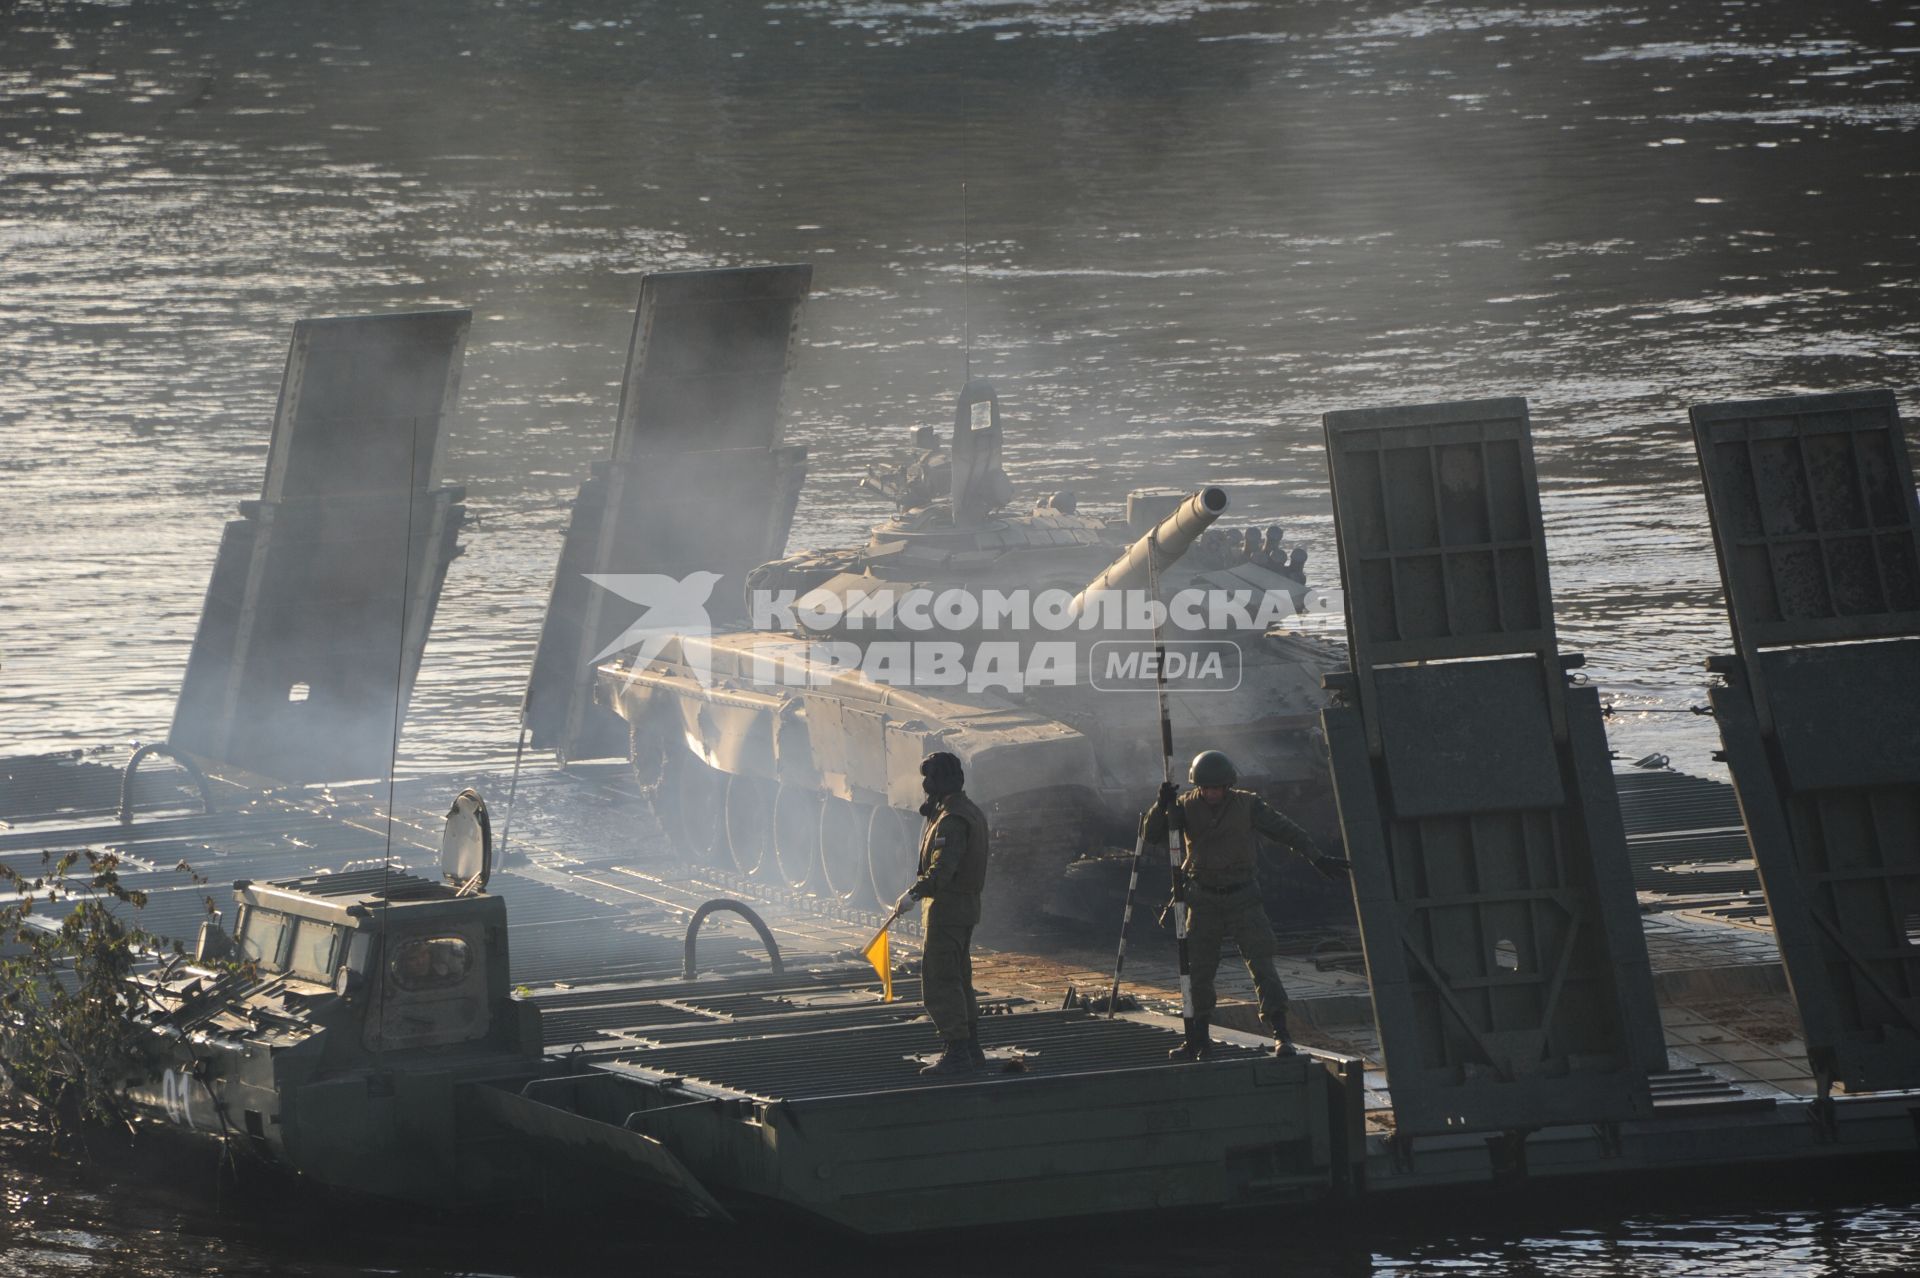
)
(71, 1032)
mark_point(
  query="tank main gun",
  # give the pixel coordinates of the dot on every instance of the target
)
(1164, 543)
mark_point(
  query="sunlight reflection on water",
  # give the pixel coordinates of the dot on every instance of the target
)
(1195, 227)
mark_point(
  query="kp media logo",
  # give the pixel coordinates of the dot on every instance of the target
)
(980, 640)
(1136, 665)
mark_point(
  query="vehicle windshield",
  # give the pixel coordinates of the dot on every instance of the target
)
(430, 963)
(314, 946)
(262, 937)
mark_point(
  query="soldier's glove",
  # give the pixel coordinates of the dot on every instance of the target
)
(1169, 795)
(1166, 915)
(1333, 867)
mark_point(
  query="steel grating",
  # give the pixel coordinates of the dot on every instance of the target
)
(1653, 803)
(866, 1059)
(1814, 524)
(782, 1025)
(566, 1026)
(553, 935)
(223, 835)
(1684, 836)
(719, 1006)
(803, 985)
(1510, 977)
(668, 1022)
(616, 951)
(67, 786)
(1693, 1090)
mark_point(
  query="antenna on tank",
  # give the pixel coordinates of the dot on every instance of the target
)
(966, 271)
(966, 227)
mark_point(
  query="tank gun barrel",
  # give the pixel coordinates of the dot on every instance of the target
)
(1166, 542)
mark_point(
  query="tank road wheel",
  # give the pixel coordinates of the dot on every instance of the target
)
(687, 803)
(892, 844)
(749, 822)
(843, 849)
(648, 754)
(796, 835)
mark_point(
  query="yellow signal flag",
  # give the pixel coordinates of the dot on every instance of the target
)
(879, 952)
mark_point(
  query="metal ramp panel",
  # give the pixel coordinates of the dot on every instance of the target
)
(697, 479)
(1510, 978)
(1814, 524)
(324, 590)
(1684, 836)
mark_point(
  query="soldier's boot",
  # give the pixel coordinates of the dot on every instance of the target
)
(1197, 1046)
(956, 1060)
(1283, 1040)
(975, 1053)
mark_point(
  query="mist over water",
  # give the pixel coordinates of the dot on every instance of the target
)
(1193, 227)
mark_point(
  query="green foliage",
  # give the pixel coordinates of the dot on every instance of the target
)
(70, 1038)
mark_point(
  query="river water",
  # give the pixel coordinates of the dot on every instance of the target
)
(1174, 232)
(99, 1218)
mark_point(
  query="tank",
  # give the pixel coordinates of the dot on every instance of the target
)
(1015, 638)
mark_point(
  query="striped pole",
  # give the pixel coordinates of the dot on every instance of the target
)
(1176, 858)
(513, 787)
(1176, 834)
(1126, 921)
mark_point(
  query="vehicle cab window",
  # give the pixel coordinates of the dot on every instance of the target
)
(315, 947)
(263, 937)
(430, 963)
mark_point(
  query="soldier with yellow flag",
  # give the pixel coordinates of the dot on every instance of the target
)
(952, 874)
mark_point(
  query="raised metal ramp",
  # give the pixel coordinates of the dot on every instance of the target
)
(697, 481)
(1812, 502)
(1510, 978)
(324, 590)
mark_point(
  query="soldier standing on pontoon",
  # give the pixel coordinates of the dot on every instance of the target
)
(1222, 826)
(953, 873)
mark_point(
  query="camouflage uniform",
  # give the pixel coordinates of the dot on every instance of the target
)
(953, 873)
(1223, 895)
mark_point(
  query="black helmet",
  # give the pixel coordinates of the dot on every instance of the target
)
(1210, 767)
(941, 773)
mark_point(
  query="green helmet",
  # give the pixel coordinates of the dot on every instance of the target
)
(1210, 767)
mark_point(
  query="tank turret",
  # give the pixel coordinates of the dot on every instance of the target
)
(980, 486)
(966, 623)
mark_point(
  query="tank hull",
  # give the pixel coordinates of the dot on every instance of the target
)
(759, 753)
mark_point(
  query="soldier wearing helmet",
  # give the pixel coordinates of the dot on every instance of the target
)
(1221, 825)
(952, 874)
